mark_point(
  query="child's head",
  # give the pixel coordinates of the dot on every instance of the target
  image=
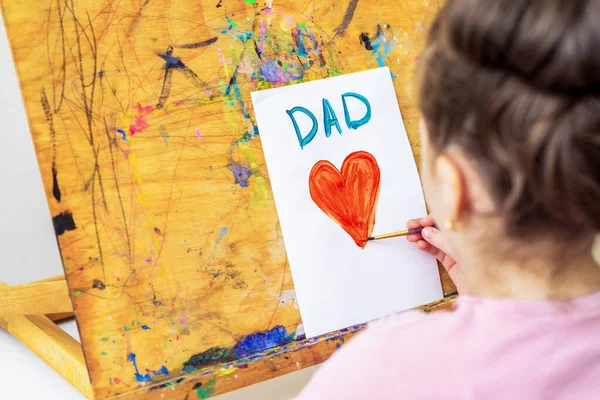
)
(510, 97)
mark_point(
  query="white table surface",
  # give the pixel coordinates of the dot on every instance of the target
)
(28, 252)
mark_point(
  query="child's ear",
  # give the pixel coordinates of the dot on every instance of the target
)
(452, 186)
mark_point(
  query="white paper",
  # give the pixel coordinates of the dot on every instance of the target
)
(339, 284)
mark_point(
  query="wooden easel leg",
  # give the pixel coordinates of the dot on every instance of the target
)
(38, 332)
(49, 296)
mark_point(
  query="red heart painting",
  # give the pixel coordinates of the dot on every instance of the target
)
(348, 196)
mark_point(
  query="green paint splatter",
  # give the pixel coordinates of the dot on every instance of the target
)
(260, 193)
(250, 1)
(103, 353)
(246, 137)
(230, 22)
(205, 391)
(334, 72)
(262, 85)
(105, 339)
(77, 293)
(126, 328)
(302, 26)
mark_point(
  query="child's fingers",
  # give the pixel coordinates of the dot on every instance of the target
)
(428, 248)
(423, 245)
(434, 237)
(427, 220)
(414, 238)
(413, 223)
(418, 223)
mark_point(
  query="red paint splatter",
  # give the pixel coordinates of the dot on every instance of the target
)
(116, 380)
(348, 197)
(140, 121)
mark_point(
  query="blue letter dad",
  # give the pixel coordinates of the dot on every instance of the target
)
(329, 118)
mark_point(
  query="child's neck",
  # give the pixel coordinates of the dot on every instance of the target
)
(548, 276)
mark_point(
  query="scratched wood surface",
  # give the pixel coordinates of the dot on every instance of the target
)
(151, 159)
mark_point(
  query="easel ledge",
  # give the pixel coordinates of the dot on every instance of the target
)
(29, 313)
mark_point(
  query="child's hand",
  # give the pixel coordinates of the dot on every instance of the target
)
(431, 241)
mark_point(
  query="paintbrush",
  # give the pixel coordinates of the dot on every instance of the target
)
(405, 232)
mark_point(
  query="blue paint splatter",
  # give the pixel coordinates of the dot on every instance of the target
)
(241, 174)
(387, 47)
(337, 345)
(298, 37)
(145, 327)
(244, 36)
(378, 41)
(380, 61)
(162, 371)
(260, 341)
(223, 232)
(170, 61)
(139, 377)
(122, 132)
(238, 95)
(272, 72)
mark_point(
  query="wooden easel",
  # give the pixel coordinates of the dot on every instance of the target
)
(29, 312)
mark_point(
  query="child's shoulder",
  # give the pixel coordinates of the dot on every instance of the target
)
(405, 345)
(417, 323)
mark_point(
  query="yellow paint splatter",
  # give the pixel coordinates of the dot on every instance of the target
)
(224, 372)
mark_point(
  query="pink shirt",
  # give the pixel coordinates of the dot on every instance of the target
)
(485, 349)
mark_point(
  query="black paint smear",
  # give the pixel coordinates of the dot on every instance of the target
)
(164, 385)
(220, 3)
(63, 222)
(174, 63)
(98, 284)
(166, 88)
(55, 188)
(365, 40)
(348, 15)
(204, 43)
(49, 118)
(211, 356)
(257, 50)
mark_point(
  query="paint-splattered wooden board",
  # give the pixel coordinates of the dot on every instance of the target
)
(141, 117)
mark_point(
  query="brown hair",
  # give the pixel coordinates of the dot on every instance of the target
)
(516, 86)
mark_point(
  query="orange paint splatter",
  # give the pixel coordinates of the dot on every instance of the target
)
(348, 196)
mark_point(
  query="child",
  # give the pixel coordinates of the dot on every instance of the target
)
(510, 98)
